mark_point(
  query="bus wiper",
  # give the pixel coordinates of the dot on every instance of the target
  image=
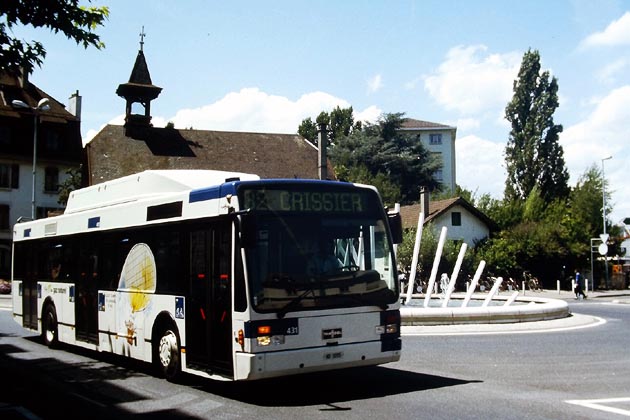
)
(294, 302)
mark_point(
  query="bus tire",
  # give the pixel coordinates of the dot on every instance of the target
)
(167, 355)
(50, 331)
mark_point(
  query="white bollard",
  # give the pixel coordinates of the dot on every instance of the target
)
(493, 291)
(436, 263)
(458, 265)
(396, 210)
(511, 299)
(558, 286)
(473, 283)
(414, 261)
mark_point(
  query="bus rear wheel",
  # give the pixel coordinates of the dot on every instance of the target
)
(50, 332)
(168, 356)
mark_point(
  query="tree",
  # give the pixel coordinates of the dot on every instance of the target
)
(73, 182)
(383, 149)
(308, 130)
(534, 156)
(340, 122)
(66, 16)
(389, 192)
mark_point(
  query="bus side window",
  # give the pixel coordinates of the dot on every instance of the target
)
(166, 248)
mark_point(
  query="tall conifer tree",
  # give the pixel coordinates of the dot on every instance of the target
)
(533, 155)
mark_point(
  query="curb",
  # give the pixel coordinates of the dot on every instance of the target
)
(524, 309)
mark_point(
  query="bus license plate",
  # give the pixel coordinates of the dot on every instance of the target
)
(334, 356)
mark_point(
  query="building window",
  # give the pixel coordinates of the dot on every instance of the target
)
(52, 141)
(5, 260)
(435, 139)
(51, 181)
(5, 136)
(9, 175)
(438, 175)
(4, 217)
(456, 218)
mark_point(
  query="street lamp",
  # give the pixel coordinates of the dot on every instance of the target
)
(604, 217)
(42, 105)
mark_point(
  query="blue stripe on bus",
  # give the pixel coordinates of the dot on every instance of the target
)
(222, 190)
(204, 194)
(211, 193)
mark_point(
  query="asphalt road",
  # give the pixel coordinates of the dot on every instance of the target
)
(581, 372)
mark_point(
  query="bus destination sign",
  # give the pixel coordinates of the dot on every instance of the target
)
(305, 201)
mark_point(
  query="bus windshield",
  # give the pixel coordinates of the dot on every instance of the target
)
(310, 247)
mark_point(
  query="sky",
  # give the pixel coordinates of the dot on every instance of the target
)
(265, 66)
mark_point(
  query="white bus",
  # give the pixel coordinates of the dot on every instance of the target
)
(211, 273)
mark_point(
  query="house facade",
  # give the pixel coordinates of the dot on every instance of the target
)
(58, 149)
(438, 139)
(463, 221)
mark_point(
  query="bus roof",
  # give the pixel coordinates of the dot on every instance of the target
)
(147, 184)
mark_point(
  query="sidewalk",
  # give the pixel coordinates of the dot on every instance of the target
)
(614, 296)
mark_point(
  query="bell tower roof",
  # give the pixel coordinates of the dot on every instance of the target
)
(141, 90)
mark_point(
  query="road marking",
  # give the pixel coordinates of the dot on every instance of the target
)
(599, 405)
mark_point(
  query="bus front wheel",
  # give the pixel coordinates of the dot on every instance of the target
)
(168, 358)
(49, 327)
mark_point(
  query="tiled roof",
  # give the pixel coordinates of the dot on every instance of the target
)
(10, 90)
(112, 155)
(411, 124)
(409, 214)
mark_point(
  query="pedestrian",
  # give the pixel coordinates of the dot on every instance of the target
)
(579, 286)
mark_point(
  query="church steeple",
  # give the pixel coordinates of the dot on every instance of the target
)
(139, 90)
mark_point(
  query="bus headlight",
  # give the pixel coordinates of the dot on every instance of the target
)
(387, 329)
(391, 328)
(390, 323)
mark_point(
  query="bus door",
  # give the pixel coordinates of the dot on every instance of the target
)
(209, 309)
(27, 265)
(86, 294)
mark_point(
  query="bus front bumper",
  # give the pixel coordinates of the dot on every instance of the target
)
(251, 366)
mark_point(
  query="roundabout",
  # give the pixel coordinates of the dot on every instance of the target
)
(480, 310)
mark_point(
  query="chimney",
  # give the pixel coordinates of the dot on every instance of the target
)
(322, 142)
(424, 201)
(74, 106)
(23, 77)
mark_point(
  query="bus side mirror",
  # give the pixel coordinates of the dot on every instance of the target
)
(395, 226)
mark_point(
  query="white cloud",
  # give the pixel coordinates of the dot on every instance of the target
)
(608, 73)
(480, 166)
(370, 114)
(603, 133)
(375, 83)
(467, 124)
(470, 81)
(616, 33)
(252, 110)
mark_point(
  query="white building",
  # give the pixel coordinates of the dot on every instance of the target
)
(439, 139)
(59, 148)
(463, 221)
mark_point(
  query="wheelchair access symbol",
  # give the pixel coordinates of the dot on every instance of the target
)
(179, 307)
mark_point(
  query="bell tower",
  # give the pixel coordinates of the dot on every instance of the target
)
(139, 91)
